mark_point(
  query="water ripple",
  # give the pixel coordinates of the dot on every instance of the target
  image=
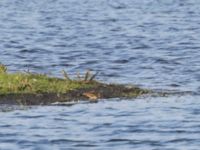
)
(154, 44)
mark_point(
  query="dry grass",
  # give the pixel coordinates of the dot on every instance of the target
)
(3, 68)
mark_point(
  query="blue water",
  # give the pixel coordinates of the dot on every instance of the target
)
(151, 43)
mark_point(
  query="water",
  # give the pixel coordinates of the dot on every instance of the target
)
(151, 43)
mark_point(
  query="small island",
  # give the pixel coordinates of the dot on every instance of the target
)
(26, 88)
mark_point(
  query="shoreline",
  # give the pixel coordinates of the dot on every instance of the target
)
(39, 89)
(104, 91)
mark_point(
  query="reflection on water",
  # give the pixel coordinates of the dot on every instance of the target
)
(151, 43)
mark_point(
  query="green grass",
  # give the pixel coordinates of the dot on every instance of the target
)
(39, 83)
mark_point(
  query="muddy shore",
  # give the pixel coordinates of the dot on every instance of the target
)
(101, 91)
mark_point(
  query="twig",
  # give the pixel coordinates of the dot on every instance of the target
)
(87, 74)
(93, 76)
(65, 75)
